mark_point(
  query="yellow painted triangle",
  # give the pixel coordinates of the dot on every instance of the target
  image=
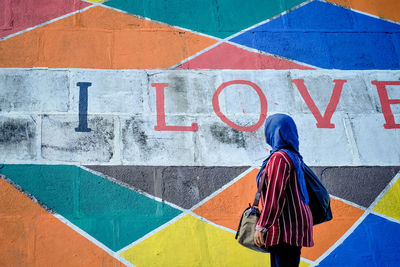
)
(192, 242)
(389, 205)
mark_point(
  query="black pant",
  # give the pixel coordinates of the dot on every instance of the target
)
(284, 255)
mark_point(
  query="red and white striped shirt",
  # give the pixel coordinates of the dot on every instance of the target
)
(284, 217)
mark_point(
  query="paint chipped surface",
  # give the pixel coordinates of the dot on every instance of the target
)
(228, 135)
(18, 136)
(61, 141)
(141, 144)
(34, 91)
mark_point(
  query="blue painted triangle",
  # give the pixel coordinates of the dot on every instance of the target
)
(375, 242)
(328, 36)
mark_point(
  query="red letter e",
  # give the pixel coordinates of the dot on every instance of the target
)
(386, 102)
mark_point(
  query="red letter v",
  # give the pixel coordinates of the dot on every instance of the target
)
(322, 121)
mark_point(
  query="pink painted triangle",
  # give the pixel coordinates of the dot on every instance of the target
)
(20, 15)
(227, 56)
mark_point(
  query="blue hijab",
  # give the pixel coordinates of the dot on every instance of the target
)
(281, 134)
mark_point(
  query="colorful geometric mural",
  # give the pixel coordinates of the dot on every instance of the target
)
(131, 131)
(101, 38)
(106, 210)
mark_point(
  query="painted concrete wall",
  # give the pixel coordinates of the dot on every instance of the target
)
(131, 131)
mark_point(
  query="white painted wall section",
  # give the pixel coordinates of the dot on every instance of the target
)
(39, 114)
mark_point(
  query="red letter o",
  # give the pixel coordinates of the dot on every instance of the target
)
(263, 102)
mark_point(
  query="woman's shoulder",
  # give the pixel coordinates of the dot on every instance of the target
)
(283, 156)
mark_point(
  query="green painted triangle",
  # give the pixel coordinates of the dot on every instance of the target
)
(113, 214)
(219, 18)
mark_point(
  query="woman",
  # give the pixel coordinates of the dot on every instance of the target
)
(286, 222)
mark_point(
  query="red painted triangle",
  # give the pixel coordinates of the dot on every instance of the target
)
(227, 56)
(20, 15)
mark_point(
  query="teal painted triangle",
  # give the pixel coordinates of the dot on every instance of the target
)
(219, 18)
(114, 215)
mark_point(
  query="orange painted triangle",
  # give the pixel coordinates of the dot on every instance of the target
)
(33, 237)
(226, 208)
(387, 9)
(101, 38)
(227, 56)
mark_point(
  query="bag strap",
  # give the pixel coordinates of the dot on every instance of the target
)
(259, 190)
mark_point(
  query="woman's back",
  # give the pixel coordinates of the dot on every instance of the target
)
(285, 215)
